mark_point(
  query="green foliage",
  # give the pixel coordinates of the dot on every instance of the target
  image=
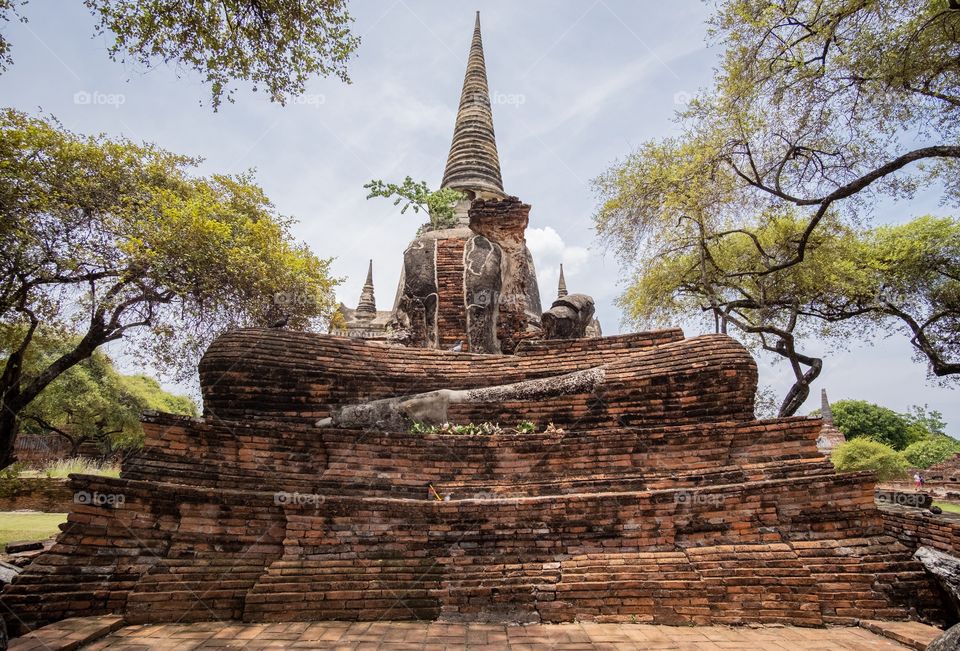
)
(525, 427)
(91, 401)
(865, 454)
(931, 423)
(438, 204)
(10, 478)
(277, 45)
(755, 215)
(928, 452)
(113, 240)
(861, 419)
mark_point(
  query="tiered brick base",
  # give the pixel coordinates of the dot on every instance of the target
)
(692, 514)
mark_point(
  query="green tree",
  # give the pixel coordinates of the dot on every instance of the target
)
(438, 204)
(113, 240)
(862, 419)
(927, 452)
(92, 401)
(813, 118)
(864, 454)
(277, 44)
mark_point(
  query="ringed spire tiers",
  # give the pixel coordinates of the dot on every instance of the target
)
(562, 285)
(368, 304)
(473, 164)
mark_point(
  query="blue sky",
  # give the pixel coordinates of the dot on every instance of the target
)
(575, 84)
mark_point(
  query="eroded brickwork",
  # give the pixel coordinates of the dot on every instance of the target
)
(662, 500)
(451, 308)
(919, 528)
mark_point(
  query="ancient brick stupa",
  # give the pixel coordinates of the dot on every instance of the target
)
(647, 492)
(473, 285)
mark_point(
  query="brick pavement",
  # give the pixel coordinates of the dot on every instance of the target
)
(426, 636)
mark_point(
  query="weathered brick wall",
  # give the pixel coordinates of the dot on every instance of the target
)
(298, 377)
(761, 551)
(611, 346)
(228, 454)
(451, 306)
(917, 528)
(236, 454)
(36, 494)
(665, 503)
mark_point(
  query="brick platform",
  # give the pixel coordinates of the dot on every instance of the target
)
(663, 502)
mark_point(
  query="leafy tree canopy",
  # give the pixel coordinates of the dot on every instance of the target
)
(277, 44)
(757, 212)
(862, 419)
(109, 239)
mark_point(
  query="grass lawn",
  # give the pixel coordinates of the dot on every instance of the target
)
(30, 525)
(948, 507)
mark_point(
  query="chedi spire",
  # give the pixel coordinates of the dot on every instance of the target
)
(473, 164)
(367, 304)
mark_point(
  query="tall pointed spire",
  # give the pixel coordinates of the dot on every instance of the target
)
(368, 304)
(473, 163)
(562, 285)
(825, 412)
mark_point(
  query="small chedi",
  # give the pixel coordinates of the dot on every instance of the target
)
(303, 494)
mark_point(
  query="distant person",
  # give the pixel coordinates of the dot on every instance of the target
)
(917, 481)
(923, 481)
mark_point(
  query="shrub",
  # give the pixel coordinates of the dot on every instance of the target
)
(924, 454)
(864, 454)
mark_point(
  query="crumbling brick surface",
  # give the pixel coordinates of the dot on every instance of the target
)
(660, 500)
(920, 528)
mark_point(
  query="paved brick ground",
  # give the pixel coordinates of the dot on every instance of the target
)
(429, 636)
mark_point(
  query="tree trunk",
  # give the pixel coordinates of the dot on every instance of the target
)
(9, 427)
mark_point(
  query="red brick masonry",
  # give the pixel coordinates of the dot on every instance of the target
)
(663, 502)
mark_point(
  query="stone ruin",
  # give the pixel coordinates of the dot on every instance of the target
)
(472, 284)
(302, 493)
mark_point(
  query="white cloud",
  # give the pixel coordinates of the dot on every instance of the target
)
(549, 252)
